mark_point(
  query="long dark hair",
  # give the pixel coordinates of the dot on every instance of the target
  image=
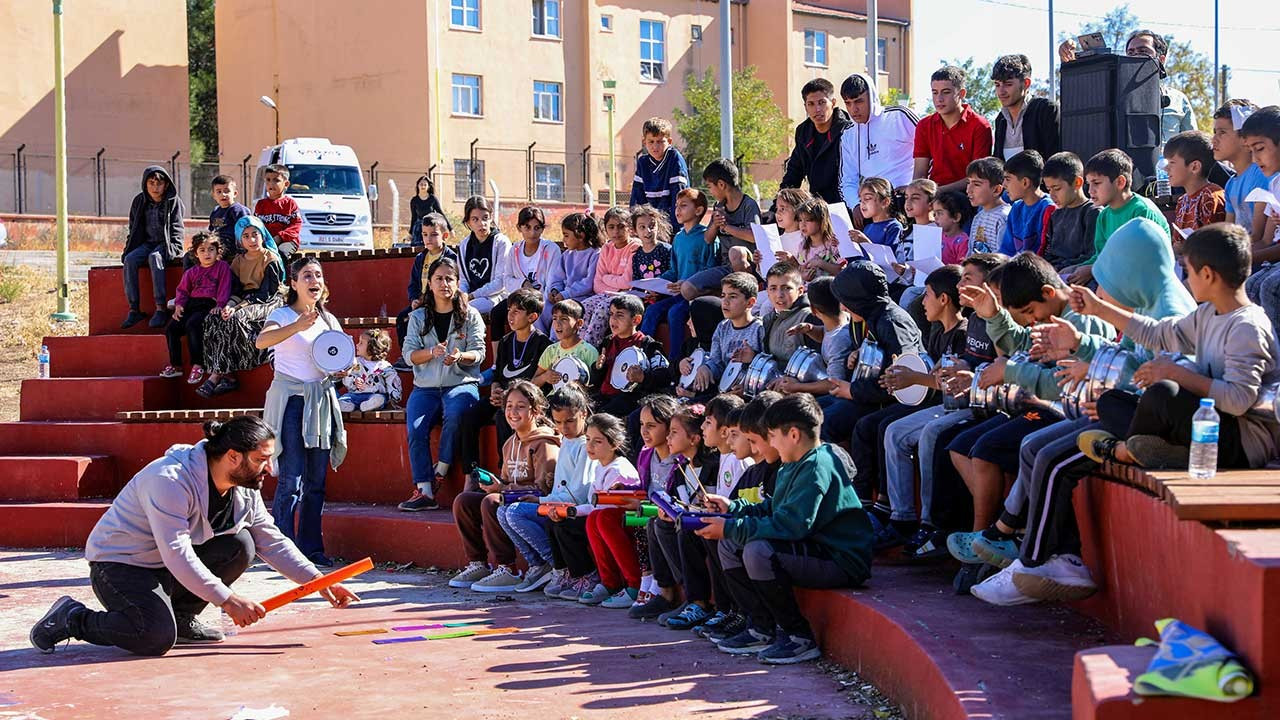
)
(459, 298)
(584, 225)
(294, 269)
(478, 202)
(537, 401)
(241, 433)
(690, 418)
(431, 186)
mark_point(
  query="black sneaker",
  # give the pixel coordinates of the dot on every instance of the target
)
(733, 624)
(789, 650)
(689, 616)
(402, 365)
(159, 319)
(55, 626)
(748, 642)
(718, 616)
(930, 543)
(133, 318)
(319, 559)
(193, 632)
(656, 606)
(419, 502)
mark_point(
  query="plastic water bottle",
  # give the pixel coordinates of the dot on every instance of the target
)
(1204, 441)
(1162, 178)
(229, 627)
(43, 359)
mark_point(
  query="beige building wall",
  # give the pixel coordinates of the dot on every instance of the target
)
(126, 90)
(388, 91)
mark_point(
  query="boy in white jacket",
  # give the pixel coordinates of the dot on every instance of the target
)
(879, 143)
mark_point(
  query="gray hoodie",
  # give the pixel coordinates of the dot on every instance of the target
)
(162, 513)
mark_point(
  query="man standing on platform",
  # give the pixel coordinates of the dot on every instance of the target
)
(184, 529)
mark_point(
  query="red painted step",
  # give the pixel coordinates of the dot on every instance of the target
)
(381, 531)
(95, 398)
(57, 477)
(106, 355)
(51, 524)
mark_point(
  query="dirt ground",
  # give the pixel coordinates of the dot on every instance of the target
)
(564, 661)
(24, 321)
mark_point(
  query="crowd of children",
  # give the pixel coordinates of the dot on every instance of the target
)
(637, 475)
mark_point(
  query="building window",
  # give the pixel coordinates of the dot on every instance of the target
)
(653, 50)
(466, 95)
(548, 181)
(546, 101)
(468, 179)
(606, 23)
(882, 54)
(695, 33)
(815, 47)
(464, 14)
(546, 18)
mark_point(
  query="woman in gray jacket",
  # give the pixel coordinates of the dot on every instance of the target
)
(445, 344)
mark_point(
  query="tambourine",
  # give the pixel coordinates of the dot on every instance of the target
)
(762, 371)
(333, 351)
(627, 359)
(696, 361)
(570, 369)
(733, 374)
(806, 366)
(915, 394)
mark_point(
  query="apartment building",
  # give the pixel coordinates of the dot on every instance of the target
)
(514, 91)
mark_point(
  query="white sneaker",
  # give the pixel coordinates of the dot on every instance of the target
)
(473, 572)
(345, 405)
(375, 402)
(1062, 579)
(999, 588)
(500, 580)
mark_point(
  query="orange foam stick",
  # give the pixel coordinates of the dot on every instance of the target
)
(620, 497)
(320, 583)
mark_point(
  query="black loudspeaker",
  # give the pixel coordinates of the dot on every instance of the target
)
(1112, 101)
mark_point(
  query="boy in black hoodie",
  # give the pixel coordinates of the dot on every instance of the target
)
(863, 288)
(625, 312)
(815, 156)
(155, 240)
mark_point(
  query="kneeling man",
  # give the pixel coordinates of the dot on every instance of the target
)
(183, 530)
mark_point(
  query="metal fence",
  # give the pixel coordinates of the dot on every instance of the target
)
(105, 185)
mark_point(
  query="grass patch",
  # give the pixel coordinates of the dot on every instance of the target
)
(27, 299)
(11, 287)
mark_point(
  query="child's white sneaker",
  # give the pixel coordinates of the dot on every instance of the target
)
(1000, 590)
(1062, 579)
(503, 579)
(345, 405)
(375, 402)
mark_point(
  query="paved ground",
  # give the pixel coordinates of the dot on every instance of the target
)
(46, 260)
(566, 661)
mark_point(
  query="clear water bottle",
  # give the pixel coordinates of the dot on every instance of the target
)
(947, 363)
(229, 627)
(1162, 178)
(43, 358)
(1204, 441)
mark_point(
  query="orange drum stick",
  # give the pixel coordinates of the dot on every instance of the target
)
(320, 583)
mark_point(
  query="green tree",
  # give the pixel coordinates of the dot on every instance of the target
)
(760, 128)
(980, 92)
(202, 84)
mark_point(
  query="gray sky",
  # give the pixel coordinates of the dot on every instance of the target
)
(986, 29)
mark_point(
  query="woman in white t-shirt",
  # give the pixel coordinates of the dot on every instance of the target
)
(302, 407)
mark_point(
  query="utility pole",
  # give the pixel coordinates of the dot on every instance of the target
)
(609, 101)
(1053, 58)
(873, 43)
(726, 81)
(1217, 60)
(63, 313)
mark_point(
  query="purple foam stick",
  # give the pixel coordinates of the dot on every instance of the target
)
(389, 641)
(437, 626)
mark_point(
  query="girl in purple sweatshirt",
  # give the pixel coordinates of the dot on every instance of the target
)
(205, 287)
(573, 276)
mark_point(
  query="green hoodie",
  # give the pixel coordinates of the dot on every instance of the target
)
(813, 499)
(1155, 292)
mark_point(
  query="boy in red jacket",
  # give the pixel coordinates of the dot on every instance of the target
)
(278, 211)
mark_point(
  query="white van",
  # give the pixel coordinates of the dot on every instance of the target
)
(328, 185)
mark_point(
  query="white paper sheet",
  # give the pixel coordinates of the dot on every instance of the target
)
(1184, 232)
(768, 243)
(927, 241)
(881, 255)
(657, 285)
(792, 242)
(1264, 196)
(841, 226)
(923, 267)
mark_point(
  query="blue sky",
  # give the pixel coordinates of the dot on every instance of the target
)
(1249, 38)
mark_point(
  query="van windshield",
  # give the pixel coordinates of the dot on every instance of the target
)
(324, 180)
